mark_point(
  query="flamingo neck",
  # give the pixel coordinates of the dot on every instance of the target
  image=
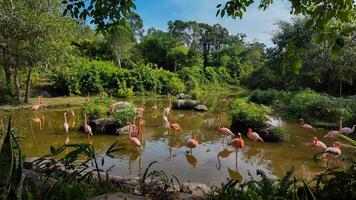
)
(65, 118)
(220, 122)
(129, 131)
(85, 120)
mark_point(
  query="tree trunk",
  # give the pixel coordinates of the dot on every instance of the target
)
(340, 88)
(7, 70)
(28, 85)
(17, 84)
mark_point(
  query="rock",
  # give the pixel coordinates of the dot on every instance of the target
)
(105, 126)
(183, 96)
(201, 107)
(181, 104)
(266, 132)
(119, 196)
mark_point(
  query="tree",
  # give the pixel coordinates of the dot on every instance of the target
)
(33, 34)
(331, 20)
(178, 55)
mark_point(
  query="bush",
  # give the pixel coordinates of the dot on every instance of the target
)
(125, 114)
(6, 94)
(123, 91)
(267, 97)
(250, 112)
(315, 107)
(95, 109)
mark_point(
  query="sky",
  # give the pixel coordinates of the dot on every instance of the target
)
(256, 24)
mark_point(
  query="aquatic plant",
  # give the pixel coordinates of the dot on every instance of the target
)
(95, 108)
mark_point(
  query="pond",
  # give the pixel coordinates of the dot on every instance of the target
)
(211, 162)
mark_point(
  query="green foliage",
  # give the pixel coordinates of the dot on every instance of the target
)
(95, 109)
(250, 112)
(267, 97)
(123, 91)
(125, 114)
(314, 107)
(6, 94)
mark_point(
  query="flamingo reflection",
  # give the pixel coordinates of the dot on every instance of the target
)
(192, 160)
(134, 156)
(234, 174)
(223, 154)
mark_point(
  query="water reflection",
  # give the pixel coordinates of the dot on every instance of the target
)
(210, 162)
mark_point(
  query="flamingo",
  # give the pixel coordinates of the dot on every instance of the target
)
(167, 111)
(253, 135)
(87, 128)
(332, 134)
(66, 125)
(307, 127)
(38, 105)
(225, 101)
(168, 124)
(346, 130)
(192, 143)
(318, 144)
(223, 130)
(134, 141)
(72, 112)
(237, 142)
(334, 151)
(267, 117)
(137, 133)
(141, 110)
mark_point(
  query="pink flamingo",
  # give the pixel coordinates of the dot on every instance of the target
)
(134, 141)
(225, 101)
(87, 128)
(318, 144)
(253, 135)
(223, 130)
(38, 105)
(141, 110)
(346, 130)
(174, 125)
(137, 133)
(307, 127)
(66, 125)
(332, 134)
(237, 142)
(167, 111)
(192, 143)
(334, 151)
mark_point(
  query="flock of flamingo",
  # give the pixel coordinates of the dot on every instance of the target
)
(236, 140)
(335, 150)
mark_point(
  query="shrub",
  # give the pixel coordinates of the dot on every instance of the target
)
(267, 97)
(123, 91)
(251, 112)
(94, 109)
(125, 114)
(315, 107)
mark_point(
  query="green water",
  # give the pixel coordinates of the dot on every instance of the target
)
(211, 162)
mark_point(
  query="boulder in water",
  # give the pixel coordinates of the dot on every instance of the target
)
(106, 126)
(183, 96)
(201, 107)
(268, 132)
(181, 104)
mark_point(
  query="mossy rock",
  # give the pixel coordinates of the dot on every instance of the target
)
(104, 126)
(268, 133)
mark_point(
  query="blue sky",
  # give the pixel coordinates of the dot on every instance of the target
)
(256, 24)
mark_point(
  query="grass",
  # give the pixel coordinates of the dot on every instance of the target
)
(48, 102)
